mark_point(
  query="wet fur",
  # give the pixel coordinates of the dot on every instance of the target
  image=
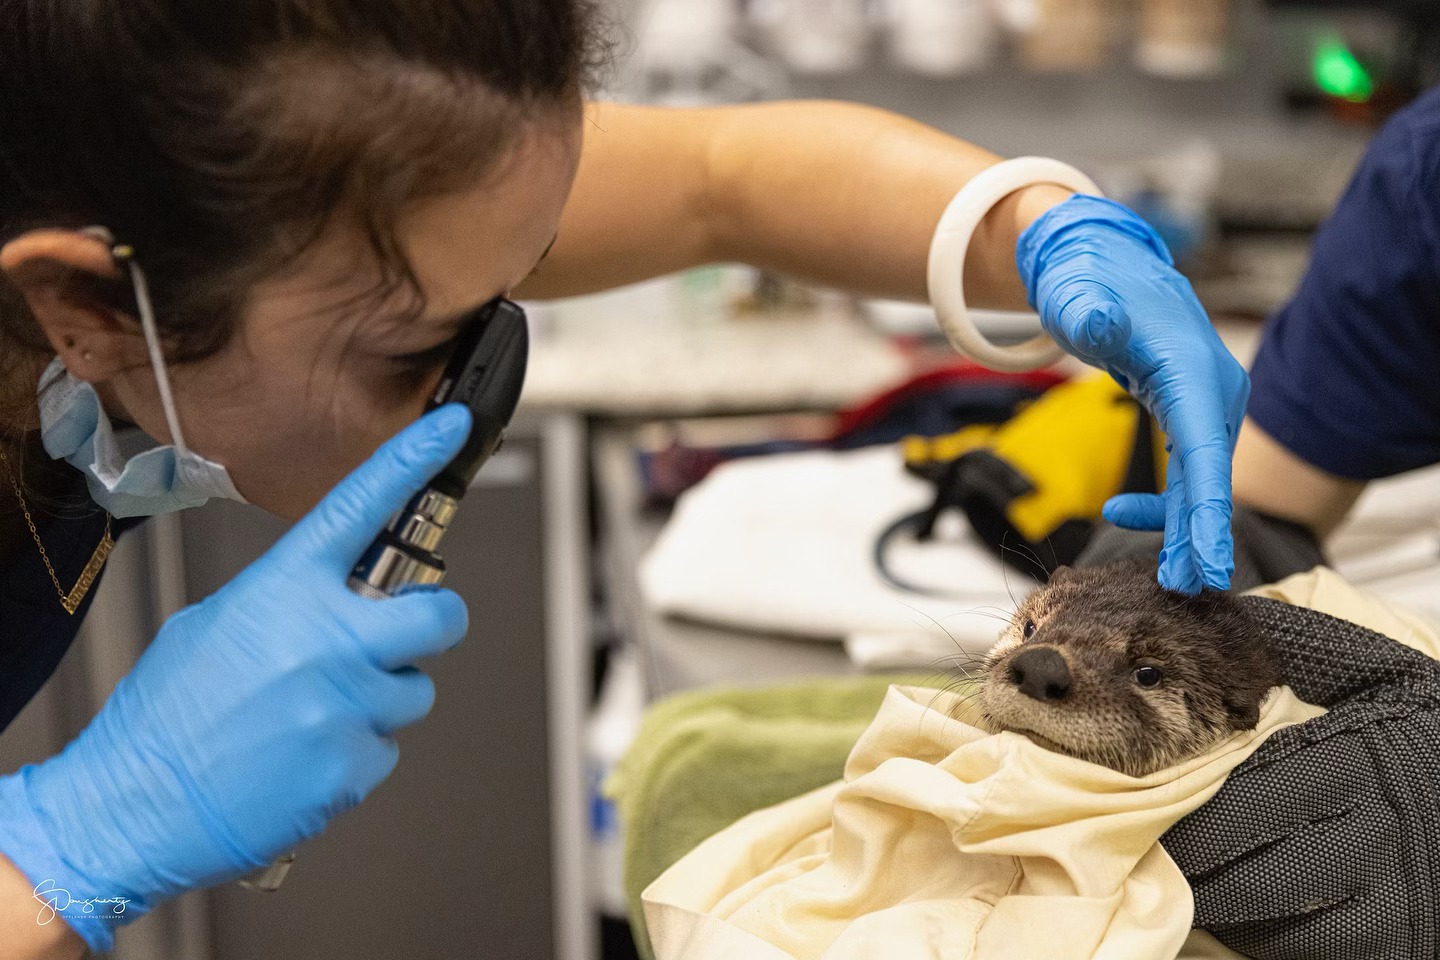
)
(1107, 622)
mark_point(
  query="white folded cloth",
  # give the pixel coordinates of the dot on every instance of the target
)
(784, 544)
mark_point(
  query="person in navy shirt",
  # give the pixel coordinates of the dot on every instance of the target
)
(1346, 386)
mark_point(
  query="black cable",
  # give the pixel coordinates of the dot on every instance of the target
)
(913, 521)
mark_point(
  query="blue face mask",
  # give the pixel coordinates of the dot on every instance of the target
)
(74, 428)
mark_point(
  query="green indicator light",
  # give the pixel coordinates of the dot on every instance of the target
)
(1339, 74)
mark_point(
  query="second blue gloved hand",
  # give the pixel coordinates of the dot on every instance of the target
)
(252, 720)
(1107, 292)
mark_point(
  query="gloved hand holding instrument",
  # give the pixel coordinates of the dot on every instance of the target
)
(258, 715)
(486, 372)
(1107, 292)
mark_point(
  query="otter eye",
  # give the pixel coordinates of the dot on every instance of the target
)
(1029, 630)
(1149, 677)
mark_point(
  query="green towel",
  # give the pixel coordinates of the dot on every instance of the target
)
(703, 760)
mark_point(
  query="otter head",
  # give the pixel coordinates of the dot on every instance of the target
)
(1105, 665)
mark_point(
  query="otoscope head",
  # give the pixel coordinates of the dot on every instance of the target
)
(487, 374)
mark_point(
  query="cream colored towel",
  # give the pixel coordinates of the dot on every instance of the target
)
(945, 841)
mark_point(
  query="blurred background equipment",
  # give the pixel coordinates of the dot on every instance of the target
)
(1183, 38)
(941, 38)
(1070, 35)
(815, 36)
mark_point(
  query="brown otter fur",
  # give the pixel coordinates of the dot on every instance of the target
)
(1105, 665)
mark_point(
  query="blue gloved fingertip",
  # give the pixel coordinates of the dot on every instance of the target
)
(1135, 511)
(1214, 545)
(1217, 582)
(449, 419)
(1176, 575)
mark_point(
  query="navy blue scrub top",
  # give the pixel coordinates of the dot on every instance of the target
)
(1348, 373)
(35, 631)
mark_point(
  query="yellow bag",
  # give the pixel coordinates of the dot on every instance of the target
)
(1036, 484)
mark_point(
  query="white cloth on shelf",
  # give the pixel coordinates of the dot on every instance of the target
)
(784, 544)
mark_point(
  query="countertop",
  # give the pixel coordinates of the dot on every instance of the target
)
(753, 364)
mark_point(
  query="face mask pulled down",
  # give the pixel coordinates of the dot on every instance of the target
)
(75, 428)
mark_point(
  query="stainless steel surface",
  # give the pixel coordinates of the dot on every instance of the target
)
(420, 532)
(568, 673)
(437, 508)
(423, 525)
(394, 569)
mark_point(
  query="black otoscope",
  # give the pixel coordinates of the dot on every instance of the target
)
(486, 373)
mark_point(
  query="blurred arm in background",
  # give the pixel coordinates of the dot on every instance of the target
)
(1273, 480)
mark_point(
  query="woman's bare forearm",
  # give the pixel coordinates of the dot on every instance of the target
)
(834, 193)
(850, 196)
(22, 934)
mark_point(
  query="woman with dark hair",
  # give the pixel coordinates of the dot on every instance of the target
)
(319, 192)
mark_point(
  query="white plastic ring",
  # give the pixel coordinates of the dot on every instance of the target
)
(952, 240)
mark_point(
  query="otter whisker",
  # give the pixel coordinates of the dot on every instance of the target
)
(999, 614)
(978, 613)
(1005, 575)
(939, 676)
(936, 622)
(967, 669)
(1030, 556)
(929, 708)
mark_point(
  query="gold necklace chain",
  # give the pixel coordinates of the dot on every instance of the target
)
(70, 601)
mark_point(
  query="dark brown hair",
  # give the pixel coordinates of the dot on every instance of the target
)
(220, 139)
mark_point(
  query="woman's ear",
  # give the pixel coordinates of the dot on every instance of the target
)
(60, 274)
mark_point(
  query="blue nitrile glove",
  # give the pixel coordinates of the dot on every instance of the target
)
(253, 718)
(1107, 292)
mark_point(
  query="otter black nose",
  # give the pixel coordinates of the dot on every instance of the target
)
(1041, 673)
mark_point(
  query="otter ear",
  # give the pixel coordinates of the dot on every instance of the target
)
(1061, 573)
(1243, 709)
